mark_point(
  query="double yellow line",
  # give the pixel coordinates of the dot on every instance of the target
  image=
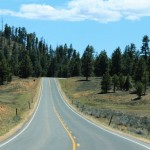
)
(62, 123)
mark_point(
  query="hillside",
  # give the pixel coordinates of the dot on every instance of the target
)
(128, 114)
(17, 101)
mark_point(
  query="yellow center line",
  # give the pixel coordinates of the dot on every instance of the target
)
(64, 126)
(69, 134)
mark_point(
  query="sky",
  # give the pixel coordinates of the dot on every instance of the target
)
(104, 24)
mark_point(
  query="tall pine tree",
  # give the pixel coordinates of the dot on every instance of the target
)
(25, 68)
(116, 66)
(101, 64)
(87, 62)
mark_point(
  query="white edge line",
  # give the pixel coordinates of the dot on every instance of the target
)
(97, 125)
(28, 122)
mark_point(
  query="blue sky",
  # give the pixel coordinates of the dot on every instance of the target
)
(104, 24)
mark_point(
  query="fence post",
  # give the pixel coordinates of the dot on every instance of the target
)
(110, 119)
(16, 112)
(29, 104)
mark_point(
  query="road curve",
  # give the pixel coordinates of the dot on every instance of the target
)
(56, 126)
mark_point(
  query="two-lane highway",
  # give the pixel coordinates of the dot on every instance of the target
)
(55, 126)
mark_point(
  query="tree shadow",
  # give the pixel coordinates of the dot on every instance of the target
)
(105, 93)
(82, 80)
(132, 92)
(97, 78)
(136, 99)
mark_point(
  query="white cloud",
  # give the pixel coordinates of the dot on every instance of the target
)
(80, 10)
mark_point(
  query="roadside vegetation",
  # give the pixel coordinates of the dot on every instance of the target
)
(123, 107)
(19, 94)
(88, 93)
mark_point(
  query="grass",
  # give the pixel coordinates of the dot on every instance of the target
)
(17, 94)
(88, 93)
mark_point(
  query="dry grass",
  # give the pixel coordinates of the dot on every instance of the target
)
(18, 94)
(88, 93)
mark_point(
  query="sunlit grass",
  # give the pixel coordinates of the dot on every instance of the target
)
(16, 94)
(88, 93)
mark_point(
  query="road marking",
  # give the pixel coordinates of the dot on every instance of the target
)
(14, 137)
(68, 105)
(78, 144)
(69, 134)
(63, 124)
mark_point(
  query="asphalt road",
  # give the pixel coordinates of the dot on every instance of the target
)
(55, 126)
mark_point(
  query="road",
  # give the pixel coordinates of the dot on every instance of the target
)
(55, 126)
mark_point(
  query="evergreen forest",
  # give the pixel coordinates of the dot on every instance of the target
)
(24, 55)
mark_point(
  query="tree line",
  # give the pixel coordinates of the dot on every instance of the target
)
(23, 54)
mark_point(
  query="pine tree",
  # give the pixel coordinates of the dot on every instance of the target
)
(135, 62)
(140, 69)
(101, 64)
(6, 52)
(145, 80)
(22, 35)
(25, 68)
(149, 68)
(37, 70)
(52, 70)
(70, 52)
(145, 47)
(146, 53)
(75, 64)
(127, 83)
(96, 66)
(106, 82)
(5, 71)
(128, 59)
(87, 62)
(7, 32)
(115, 81)
(116, 67)
(52, 63)
(15, 60)
(121, 81)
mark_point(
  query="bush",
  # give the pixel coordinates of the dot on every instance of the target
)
(139, 89)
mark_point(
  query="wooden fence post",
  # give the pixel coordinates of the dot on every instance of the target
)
(16, 112)
(29, 104)
(110, 119)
